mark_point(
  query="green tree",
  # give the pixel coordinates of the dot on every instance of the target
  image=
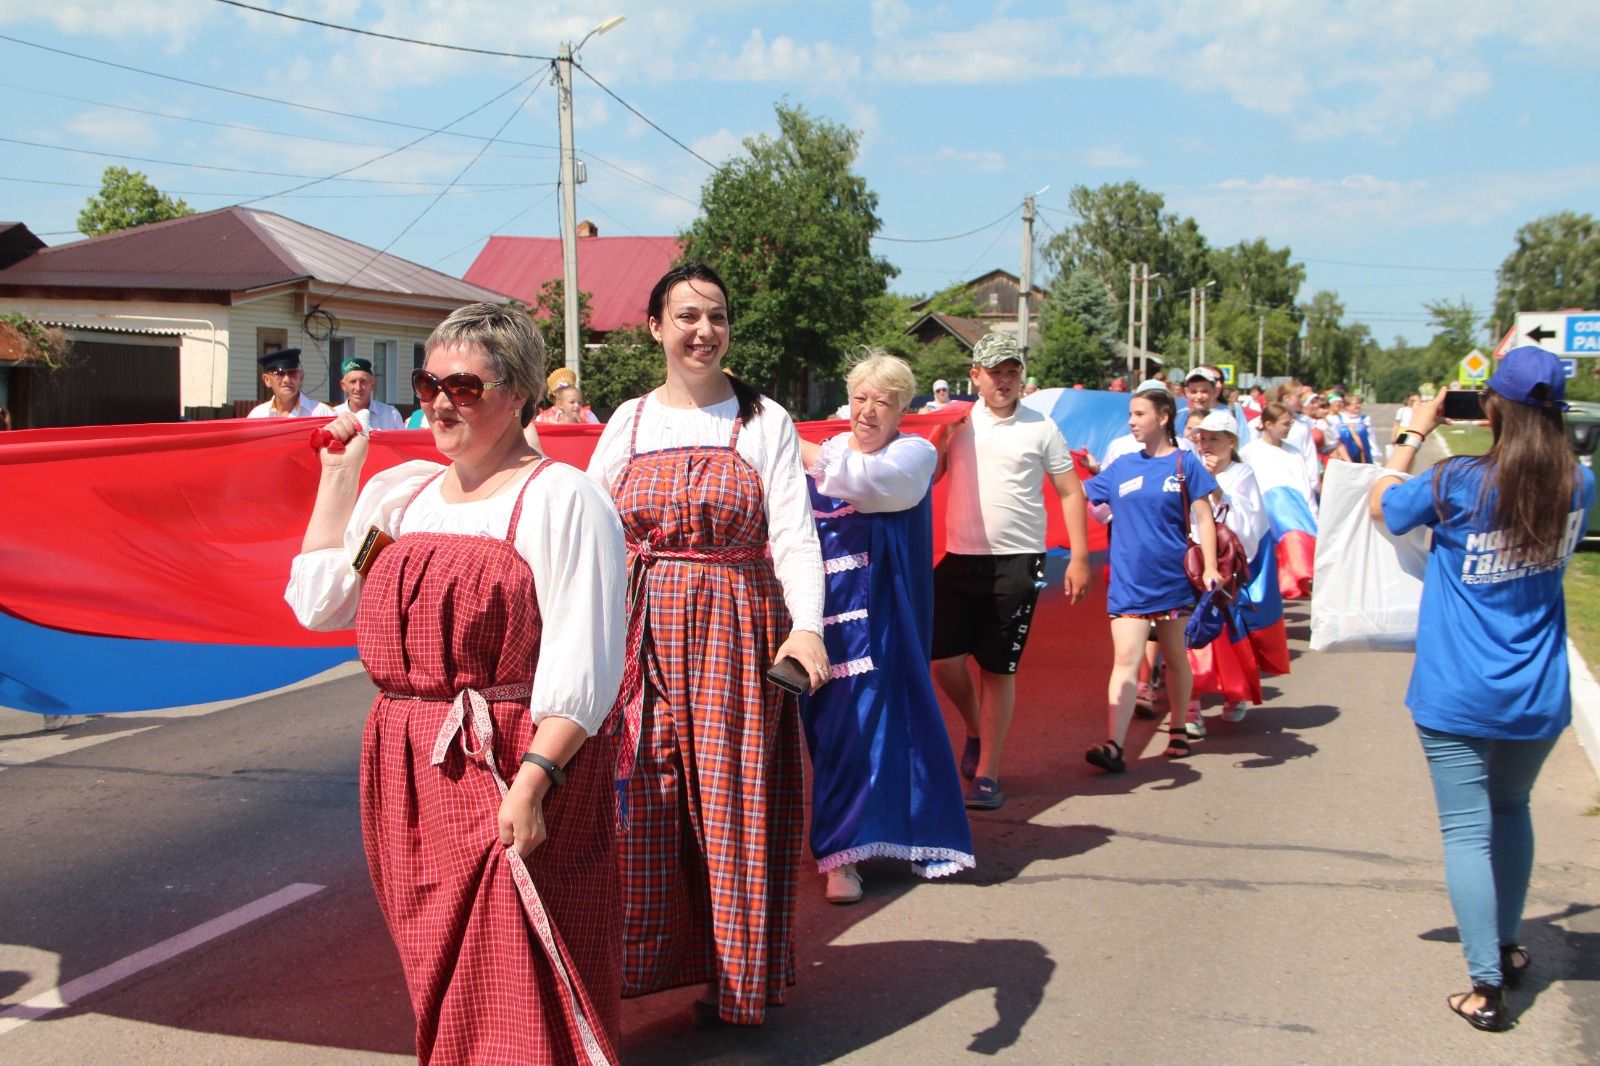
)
(549, 312)
(789, 226)
(127, 199)
(628, 364)
(1077, 330)
(1555, 264)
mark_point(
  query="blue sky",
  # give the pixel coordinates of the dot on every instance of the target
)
(1373, 138)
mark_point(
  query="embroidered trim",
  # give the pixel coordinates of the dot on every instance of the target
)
(847, 509)
(848, 616)
(852, 668)
(926, 862)
(841, 563)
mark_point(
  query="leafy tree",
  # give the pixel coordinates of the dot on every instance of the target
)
(1077, 328)
(628, 364)
(956, 300)
(944, 358)
(126, 199)
(549, 313)
(1555, 264)
(1335, 351)
(789, 226)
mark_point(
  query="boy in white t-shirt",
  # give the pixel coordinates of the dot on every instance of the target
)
(985, 587)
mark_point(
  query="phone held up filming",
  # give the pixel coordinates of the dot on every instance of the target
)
(1463, 405)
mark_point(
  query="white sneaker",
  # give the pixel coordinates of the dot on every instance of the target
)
(1235, 711)
(1193, 724)
(844, 885)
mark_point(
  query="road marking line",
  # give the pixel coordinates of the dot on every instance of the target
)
(81, 988)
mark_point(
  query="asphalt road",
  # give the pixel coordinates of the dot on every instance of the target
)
(1277, 898)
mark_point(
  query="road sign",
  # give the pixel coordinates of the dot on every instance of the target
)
(1566, 333)
(1506, 343)
(1227, 368)
(1569, 367)
(1475, 367)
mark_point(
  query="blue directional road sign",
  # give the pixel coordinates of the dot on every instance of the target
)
(1583, 334)
(1569, 367)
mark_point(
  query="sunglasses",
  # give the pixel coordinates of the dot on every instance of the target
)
(281, 373)
(464, 390)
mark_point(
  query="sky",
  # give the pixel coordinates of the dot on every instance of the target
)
(1394, 145)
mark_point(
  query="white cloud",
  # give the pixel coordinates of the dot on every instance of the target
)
(968, 160)
(785, 59)
(719, 147)
(1111, 155)
(106, 127)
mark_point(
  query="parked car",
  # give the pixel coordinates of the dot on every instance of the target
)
(1583, 427)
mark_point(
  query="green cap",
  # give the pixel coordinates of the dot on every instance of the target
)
(993, 349)
(355, 363)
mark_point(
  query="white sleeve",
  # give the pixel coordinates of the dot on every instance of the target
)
(324, 589)
(611, 453)
(570, 535)
(1057, 456)
(791, 531)
(1247, 514)
(892, 478)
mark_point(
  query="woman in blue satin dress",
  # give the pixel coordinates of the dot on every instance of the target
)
(884, 783)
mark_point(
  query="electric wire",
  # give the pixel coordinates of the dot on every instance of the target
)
(642, 117)
(381, 36)
(297, 196)
(952, 237)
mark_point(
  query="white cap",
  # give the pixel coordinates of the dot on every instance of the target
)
(1219, 422)
(1150, 385)
(941, 384)
(1204, 373)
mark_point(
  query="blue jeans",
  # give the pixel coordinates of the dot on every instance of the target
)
(1481, 787)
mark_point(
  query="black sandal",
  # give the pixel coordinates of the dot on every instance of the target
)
(1511, 971)
(1108, 757)
(1178, 744)
(1492, 1016)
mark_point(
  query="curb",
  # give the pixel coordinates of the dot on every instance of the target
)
(1585, 707)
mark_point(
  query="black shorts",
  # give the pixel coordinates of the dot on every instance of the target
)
(983, 606)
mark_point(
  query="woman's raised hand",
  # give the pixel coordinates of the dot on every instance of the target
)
(342, 443)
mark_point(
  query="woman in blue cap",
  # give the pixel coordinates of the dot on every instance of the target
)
(1489, 689)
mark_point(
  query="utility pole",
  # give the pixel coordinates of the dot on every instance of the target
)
(572, 342)
(1194, 302)
(1203, 289)
(1261, 339)
(1144, 322)
(1025, 289)
(1133, 279)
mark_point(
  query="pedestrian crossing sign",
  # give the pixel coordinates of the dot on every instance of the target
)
(1227, 372)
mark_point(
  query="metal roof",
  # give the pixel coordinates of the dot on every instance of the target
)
(233, 249)
(616, 272)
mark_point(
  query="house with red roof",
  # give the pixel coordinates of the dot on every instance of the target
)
(616, 272)
(166, 320)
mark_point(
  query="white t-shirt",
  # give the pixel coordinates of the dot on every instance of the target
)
(997, 470)
(771, 445)
(306, 407)
(383, 416)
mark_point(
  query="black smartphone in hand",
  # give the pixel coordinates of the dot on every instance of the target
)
(789, 675)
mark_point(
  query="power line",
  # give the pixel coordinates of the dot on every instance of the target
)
(250, 129)
(381, 36)
(1399, 266)
(642, 118)
(396, 151)
(318, 109)
(514, 218)
(229, 170)
(296, 196)
(642, 181)
(431, 204)
(952, 237)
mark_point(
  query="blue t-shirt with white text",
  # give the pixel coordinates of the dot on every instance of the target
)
(1150, 532)
(1492, 630)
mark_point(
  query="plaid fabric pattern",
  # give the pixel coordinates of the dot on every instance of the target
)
(441, 614)
(711, 858)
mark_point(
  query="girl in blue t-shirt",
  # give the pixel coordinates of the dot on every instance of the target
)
(1489, 689)
(1148, 584)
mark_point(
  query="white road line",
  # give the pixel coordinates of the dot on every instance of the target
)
(80, 988)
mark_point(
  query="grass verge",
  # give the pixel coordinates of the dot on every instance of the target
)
(1583, 605)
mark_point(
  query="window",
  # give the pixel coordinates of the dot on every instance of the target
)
(386, 368)
(339, 349)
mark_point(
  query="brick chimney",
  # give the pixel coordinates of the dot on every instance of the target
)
(588, 229)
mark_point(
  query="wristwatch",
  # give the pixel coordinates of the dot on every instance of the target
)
(1411, 439)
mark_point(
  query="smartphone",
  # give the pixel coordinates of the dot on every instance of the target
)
(1463, 405)
(789, 675)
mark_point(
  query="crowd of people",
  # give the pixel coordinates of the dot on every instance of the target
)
(560, 816)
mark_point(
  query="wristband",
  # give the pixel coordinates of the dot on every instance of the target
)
(558, 777)
(1411, 439)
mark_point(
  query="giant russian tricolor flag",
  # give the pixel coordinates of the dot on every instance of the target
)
(1287, 498)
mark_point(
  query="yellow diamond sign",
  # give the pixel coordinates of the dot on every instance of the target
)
(1475, 367)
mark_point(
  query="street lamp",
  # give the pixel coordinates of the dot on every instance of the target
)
(569, 195)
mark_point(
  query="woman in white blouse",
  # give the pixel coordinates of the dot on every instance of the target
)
(706, 477)
(487, 814)
(883, 780)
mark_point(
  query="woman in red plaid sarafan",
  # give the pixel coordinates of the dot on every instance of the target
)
(487, 810)
(727, 580)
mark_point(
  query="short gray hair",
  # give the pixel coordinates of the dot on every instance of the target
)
(879, 369)
(509, 340)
